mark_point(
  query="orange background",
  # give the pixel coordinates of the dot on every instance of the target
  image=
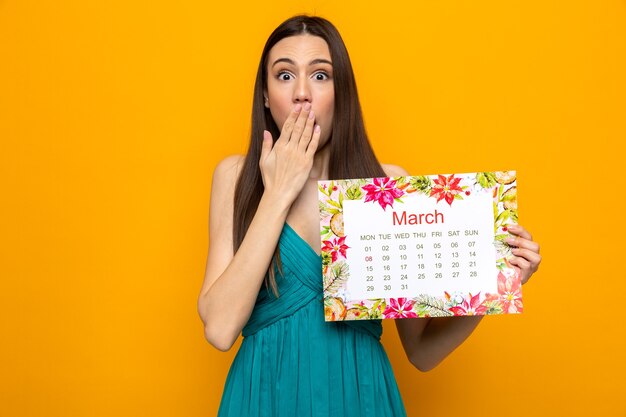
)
(114, 114)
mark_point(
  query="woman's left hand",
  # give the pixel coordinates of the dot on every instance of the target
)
(527, 258)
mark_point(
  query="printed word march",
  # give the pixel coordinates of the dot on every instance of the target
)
(420, 218)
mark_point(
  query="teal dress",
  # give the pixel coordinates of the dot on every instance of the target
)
(292, 363)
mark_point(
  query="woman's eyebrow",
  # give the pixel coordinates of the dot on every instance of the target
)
(313, 62)
(320, 61)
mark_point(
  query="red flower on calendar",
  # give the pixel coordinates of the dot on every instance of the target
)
(447, 188)
(336, 247)
(472, 307)
(384, 191)
(509, 293)
(399, 308)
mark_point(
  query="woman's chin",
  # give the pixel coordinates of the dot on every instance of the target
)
(324, 144)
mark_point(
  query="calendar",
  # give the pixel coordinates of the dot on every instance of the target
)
(418, 246)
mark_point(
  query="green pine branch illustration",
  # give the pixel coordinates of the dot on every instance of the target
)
(431, 306)
(338, 276)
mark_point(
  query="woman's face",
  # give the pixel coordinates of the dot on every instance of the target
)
(300, 70)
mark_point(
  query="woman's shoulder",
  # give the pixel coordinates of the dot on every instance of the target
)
(394, 170)
(225, 176)
(229, 167)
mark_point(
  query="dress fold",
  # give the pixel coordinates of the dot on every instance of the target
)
(293, 363)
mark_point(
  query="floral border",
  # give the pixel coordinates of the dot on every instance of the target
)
(446, 189)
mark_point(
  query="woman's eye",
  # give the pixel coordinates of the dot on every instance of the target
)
(320, 76)
(284, 76)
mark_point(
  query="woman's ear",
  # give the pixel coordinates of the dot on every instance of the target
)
(266, 100)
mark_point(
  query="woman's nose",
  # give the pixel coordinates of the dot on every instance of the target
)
(302, 92)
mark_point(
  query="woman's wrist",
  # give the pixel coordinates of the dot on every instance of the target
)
(277, 201)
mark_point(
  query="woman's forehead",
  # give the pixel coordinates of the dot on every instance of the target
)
(301, 49)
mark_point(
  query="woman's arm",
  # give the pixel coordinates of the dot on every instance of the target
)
(232, 280)
(428, 341)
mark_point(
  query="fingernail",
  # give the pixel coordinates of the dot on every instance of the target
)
(307, 106)
(297, 108)
(311, 115)
(510, 240)
(317, 128)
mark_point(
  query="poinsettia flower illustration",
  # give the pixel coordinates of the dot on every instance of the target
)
(509, 293)
(446, 188)
(399, 308)
(335, 247)
(383, 190)
(472, 308)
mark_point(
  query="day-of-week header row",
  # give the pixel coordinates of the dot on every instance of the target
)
(413, 235)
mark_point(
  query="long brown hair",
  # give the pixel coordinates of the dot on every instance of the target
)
(351, 155)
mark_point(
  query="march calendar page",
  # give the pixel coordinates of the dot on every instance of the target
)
(418, 246)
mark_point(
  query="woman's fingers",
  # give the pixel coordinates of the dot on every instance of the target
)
(285, 165)
(289, 124)
(533, 258)
(307, 133)
(315, 140)
(266, 149)
(297, 134)
(526, 251)
(521, 265)
(521, 238)
(267, 144)
(300, 123)
(518, 230)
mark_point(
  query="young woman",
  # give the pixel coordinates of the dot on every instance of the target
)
(264, 229)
